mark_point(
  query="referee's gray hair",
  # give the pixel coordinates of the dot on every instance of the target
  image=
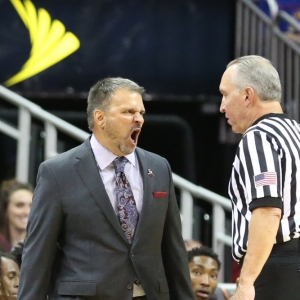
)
(100, 94)
(259, 73)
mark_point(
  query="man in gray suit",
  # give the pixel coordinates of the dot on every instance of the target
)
(103, 226)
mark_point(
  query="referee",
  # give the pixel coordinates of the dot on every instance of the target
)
(265, 182)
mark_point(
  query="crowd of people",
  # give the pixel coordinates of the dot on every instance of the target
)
(105, 223)
(15, 203)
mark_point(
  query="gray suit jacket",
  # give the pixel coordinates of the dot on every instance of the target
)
(76, 248)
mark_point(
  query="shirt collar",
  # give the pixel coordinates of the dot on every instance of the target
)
(278, 115)
(105, 157)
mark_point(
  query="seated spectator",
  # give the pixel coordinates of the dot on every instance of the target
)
(15, 203)
(9, 276)
(204, 268)
(292, 7)
(270, 7)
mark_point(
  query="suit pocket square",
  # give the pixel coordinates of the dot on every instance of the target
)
(160, 194)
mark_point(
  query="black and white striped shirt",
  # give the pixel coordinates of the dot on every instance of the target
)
(266, 173)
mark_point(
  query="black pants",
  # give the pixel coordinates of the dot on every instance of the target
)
(280, 277)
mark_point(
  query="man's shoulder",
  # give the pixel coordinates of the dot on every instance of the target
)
(65, 157)
(142, 152)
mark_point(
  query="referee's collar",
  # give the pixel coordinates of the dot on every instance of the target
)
(277, 115)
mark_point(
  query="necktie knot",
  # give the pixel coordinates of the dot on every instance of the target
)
(120, 163)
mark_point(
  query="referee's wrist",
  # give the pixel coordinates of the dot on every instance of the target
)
(246, 281)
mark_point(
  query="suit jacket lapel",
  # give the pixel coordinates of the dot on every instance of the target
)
(144, 217)
(87, 169)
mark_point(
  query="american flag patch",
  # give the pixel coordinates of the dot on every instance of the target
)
(265, 178)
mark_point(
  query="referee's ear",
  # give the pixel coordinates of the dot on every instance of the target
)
(249, 96)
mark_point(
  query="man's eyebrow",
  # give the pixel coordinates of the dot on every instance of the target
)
(198, 265)
(202, 266)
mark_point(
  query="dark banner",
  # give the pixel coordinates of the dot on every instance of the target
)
(175, 47)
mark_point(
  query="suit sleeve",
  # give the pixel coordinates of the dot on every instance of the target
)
(174, 252)
(43, 228)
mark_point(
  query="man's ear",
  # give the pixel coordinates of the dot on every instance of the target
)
(249, 96)
(99, 118)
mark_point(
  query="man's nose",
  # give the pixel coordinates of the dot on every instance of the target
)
(222, 106)
(139, 118)
(205, 279)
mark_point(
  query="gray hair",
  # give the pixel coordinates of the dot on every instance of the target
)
(100, 95)
(259, 73)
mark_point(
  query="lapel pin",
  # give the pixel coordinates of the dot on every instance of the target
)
(150, 173)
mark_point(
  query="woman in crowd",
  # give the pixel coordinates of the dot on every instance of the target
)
(15, 203)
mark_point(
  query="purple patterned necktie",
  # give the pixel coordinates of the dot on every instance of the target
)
(127, 211)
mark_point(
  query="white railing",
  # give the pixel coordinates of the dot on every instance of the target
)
(21, 134)
(188, 190)
(257, 33)
(220, 204)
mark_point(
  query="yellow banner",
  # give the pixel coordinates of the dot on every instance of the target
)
(50, 41)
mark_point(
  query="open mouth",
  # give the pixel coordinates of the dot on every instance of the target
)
(134, 135)
(203, 294)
